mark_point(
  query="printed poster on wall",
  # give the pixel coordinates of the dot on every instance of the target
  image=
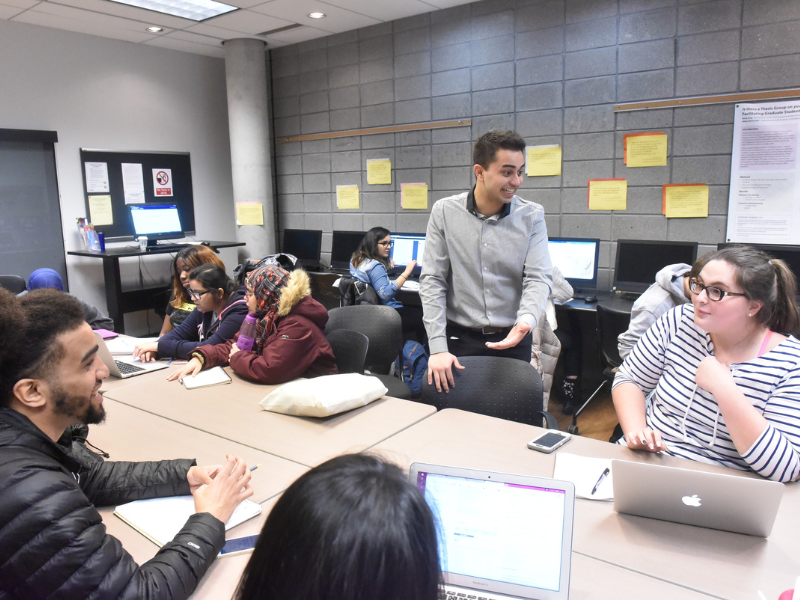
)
(96, 177)
(162, 182)
(133, 183)
(764, 201)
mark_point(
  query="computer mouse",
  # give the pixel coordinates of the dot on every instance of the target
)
(205, 243)
(589, 299)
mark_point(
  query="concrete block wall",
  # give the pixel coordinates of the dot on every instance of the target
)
(552, 70)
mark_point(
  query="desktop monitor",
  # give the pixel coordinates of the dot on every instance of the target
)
(577, 259)
(408, 247)
(343, 244)
(638, 261)
(788, 254)
(304, 244)
(156, 222)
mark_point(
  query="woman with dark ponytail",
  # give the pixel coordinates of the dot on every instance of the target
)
(725, 370)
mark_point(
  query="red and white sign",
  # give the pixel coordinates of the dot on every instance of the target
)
(162, 182)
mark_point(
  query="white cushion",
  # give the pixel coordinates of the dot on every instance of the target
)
(324, 396)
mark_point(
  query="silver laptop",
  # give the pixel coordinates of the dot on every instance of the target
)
(500, 535)
(124, 367)
(728, 502)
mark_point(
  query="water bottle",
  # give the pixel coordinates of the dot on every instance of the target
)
(247, 334)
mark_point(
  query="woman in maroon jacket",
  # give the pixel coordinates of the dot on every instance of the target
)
(289, 341)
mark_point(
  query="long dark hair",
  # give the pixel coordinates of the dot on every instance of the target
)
(192, 257)
(767, 280)
(214, 278)
(352, 528)
(368, 248)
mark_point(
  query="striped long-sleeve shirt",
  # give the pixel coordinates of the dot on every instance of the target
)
(666, 359)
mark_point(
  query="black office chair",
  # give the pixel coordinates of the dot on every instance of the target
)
(506, 388)
(13, 283)
(610, 324)
(349, 349)
(384, 329)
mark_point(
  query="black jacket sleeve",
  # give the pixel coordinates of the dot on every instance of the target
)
(111, 483)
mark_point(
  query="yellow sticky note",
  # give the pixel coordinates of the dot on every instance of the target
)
(414, 195)
(685, 201)
(608, 194)
(647, 150)
(347, 196)
(379, 171)
(100, 212)
(544, 161)
(249, 213)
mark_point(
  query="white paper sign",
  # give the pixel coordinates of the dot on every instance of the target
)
(133, 183)
(96, 177)
(162, 182)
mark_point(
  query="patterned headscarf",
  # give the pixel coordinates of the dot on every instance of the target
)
(266, 283)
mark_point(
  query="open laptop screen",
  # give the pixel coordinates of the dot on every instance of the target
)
(577, 259)
(408, 247)
(638, 261)
(516, 537)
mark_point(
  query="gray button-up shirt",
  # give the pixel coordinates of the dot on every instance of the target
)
(483, 272)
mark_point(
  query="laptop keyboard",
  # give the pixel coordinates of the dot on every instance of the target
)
(451, 595)
(127, 368)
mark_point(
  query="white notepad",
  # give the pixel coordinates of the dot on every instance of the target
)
(584, 473)
(215, 376)
(160, 519)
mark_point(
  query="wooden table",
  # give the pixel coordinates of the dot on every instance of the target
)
(716, 563)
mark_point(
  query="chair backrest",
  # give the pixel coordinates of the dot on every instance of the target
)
(349, 349)
(506, 388)
(355, 293)
(381, 324)
(610, 324)
(13, 283)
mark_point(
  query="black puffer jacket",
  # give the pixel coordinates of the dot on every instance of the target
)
(52, 540)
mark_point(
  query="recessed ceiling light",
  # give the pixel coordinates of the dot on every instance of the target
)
(155, 29)
(196, 10)
(317, 15)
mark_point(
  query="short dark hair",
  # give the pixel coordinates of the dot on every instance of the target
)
(213, 277)
(368, 248)
(29, 326)
(485, 150)
(352, 528)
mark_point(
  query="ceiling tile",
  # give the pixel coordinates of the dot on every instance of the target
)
(18, 3)
(219, 32)
(293, 36)
(183, 46)
(195, 38)
(383, 10)
(246, 21)
(336, 19)
(150, 17)
(94, 18)
(36, 17)
(6, 12)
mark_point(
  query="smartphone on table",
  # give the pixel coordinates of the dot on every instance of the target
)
(550, 440)
(240, 545)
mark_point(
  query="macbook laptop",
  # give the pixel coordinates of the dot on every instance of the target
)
(500, 535)
(124, 367)
(728, 502)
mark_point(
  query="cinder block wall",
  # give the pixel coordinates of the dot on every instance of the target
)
(549, 69)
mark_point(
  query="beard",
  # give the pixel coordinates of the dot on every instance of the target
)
(78, 407)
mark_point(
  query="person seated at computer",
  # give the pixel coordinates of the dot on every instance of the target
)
(670, 289)
(725, 370)
(371, 264)
(352, 528)
(289, 340)
(180, 305)
(52, 540)
(218, 315)
(50, 278)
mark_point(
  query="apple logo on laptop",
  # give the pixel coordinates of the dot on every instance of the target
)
(691, 500)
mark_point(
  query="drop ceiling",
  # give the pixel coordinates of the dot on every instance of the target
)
(254, 17)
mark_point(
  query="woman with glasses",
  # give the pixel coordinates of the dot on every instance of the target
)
(371, 264)
(725, 370)
(219, 311)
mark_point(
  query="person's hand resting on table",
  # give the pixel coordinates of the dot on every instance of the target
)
(193, 367)
(219, 489)
(146, 351)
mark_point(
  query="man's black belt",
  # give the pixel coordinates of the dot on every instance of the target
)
(481, 330)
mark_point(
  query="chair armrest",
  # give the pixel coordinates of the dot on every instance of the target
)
(549, 420)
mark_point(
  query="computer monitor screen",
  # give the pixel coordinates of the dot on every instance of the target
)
(577, 259)
(788, 254)
(408, 247)
(305, 244)
(638, 261)
(156, 221)
(343, 245)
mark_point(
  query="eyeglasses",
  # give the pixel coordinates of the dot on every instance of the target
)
(195, 295)
(390, 244)
(713, 293)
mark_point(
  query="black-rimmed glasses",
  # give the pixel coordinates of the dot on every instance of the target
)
(713, 293)
(195, 295)
(390, 244)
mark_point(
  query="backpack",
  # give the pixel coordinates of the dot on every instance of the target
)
(415, 366)
(282, 259)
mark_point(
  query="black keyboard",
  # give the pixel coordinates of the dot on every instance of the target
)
(127, 368)
(169, 247)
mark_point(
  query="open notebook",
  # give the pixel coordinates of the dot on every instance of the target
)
(160, 519)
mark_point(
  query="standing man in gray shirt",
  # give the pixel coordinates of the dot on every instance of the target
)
(486, 272)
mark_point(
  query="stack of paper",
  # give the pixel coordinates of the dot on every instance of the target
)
(585, 473)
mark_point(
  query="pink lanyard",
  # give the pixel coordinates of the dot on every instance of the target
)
(764, 343)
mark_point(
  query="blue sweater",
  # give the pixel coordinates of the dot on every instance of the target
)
(182, 341)
(374, 273)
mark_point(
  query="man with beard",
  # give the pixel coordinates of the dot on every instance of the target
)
(52, 540)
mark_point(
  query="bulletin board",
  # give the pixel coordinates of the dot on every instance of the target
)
(168, 174)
